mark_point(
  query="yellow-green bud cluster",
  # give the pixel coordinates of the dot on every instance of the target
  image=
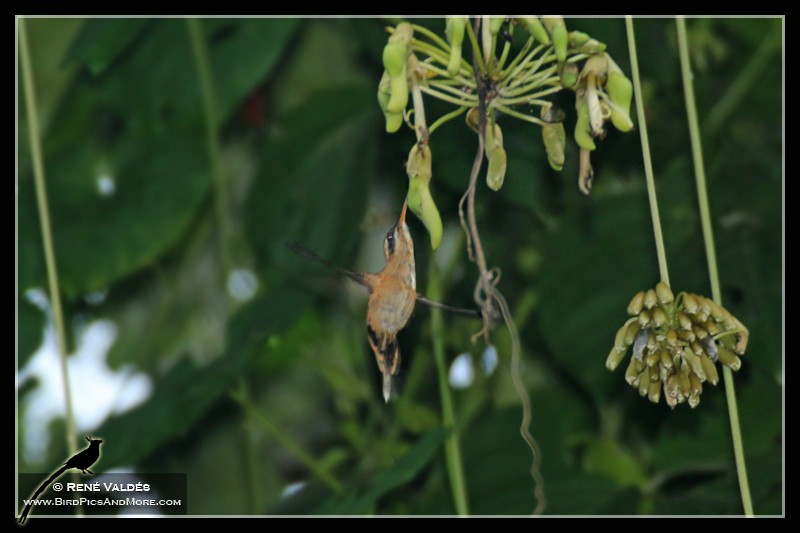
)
(675, 343)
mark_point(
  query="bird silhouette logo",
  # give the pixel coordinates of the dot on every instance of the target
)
(81, 460)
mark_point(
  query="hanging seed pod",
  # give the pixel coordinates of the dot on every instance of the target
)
(395, 56)
(568, 72)
(615, 357)
(620, 92)
(553, 136)
(584, 43)
(659, 317)
(455, 27)
(666, 359)
(535, 28)
(644, 382)
(421, 204)
(496, 154)
(582, 135)
(558, 33)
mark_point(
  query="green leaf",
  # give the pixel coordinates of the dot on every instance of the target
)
(101, 40)
(244, 52)
(592, 264)
(101, 237)
(405, 470)
(313, 180)
(187, 391)
(607, 458)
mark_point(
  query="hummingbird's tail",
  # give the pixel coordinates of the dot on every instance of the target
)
(387, 384)
(387, 355)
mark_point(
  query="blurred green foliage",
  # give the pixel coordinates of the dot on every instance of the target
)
(306, 159)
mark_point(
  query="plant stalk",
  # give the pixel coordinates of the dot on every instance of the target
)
(711, 255)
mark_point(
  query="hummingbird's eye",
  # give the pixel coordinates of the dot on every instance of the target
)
(390, 242)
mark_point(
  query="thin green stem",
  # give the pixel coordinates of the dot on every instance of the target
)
(446, 118)
(519, 57)
(444, 45)
(289, 443)
(517, 114)
(452, 448)
(467, 82)
(438, 55)
(711, 256)
(446, 97)
(533, 82)
(476, 49)
(458, 93)
(528, 98)
(47, 235)
(648, 164)
(203, 66)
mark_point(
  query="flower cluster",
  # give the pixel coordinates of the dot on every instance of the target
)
(675, 344)
(490, 77)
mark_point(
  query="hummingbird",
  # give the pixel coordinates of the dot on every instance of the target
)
(392, 296)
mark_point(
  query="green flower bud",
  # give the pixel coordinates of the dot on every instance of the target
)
(672, 337)
(659, 317)
(555, 139)
(395, 55)
(419, 163)
(496, 173)
(694, 363)
(710, 370)
(684, 383)
(472, 119)
(690, 303)
(684, 321)
(421, 204)
(633, 330)
(644, 318)
(650, 299)
(654, 392)
(699, 332)
(636, 304)
(686, 335)
(729, 359)
(568, 72)
(664, 293)
(644, 382)
(666, 359)
(634, 369)
(582, 136)
(495, 23)
(619, 339)
(393, 121)
(615, 357)
(558, 32)
(454, 30)
(652, 359)
(584, 44)
(620, 92)
(535, 28)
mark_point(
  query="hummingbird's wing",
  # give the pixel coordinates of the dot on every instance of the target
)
(457, 310)
(306, 253)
